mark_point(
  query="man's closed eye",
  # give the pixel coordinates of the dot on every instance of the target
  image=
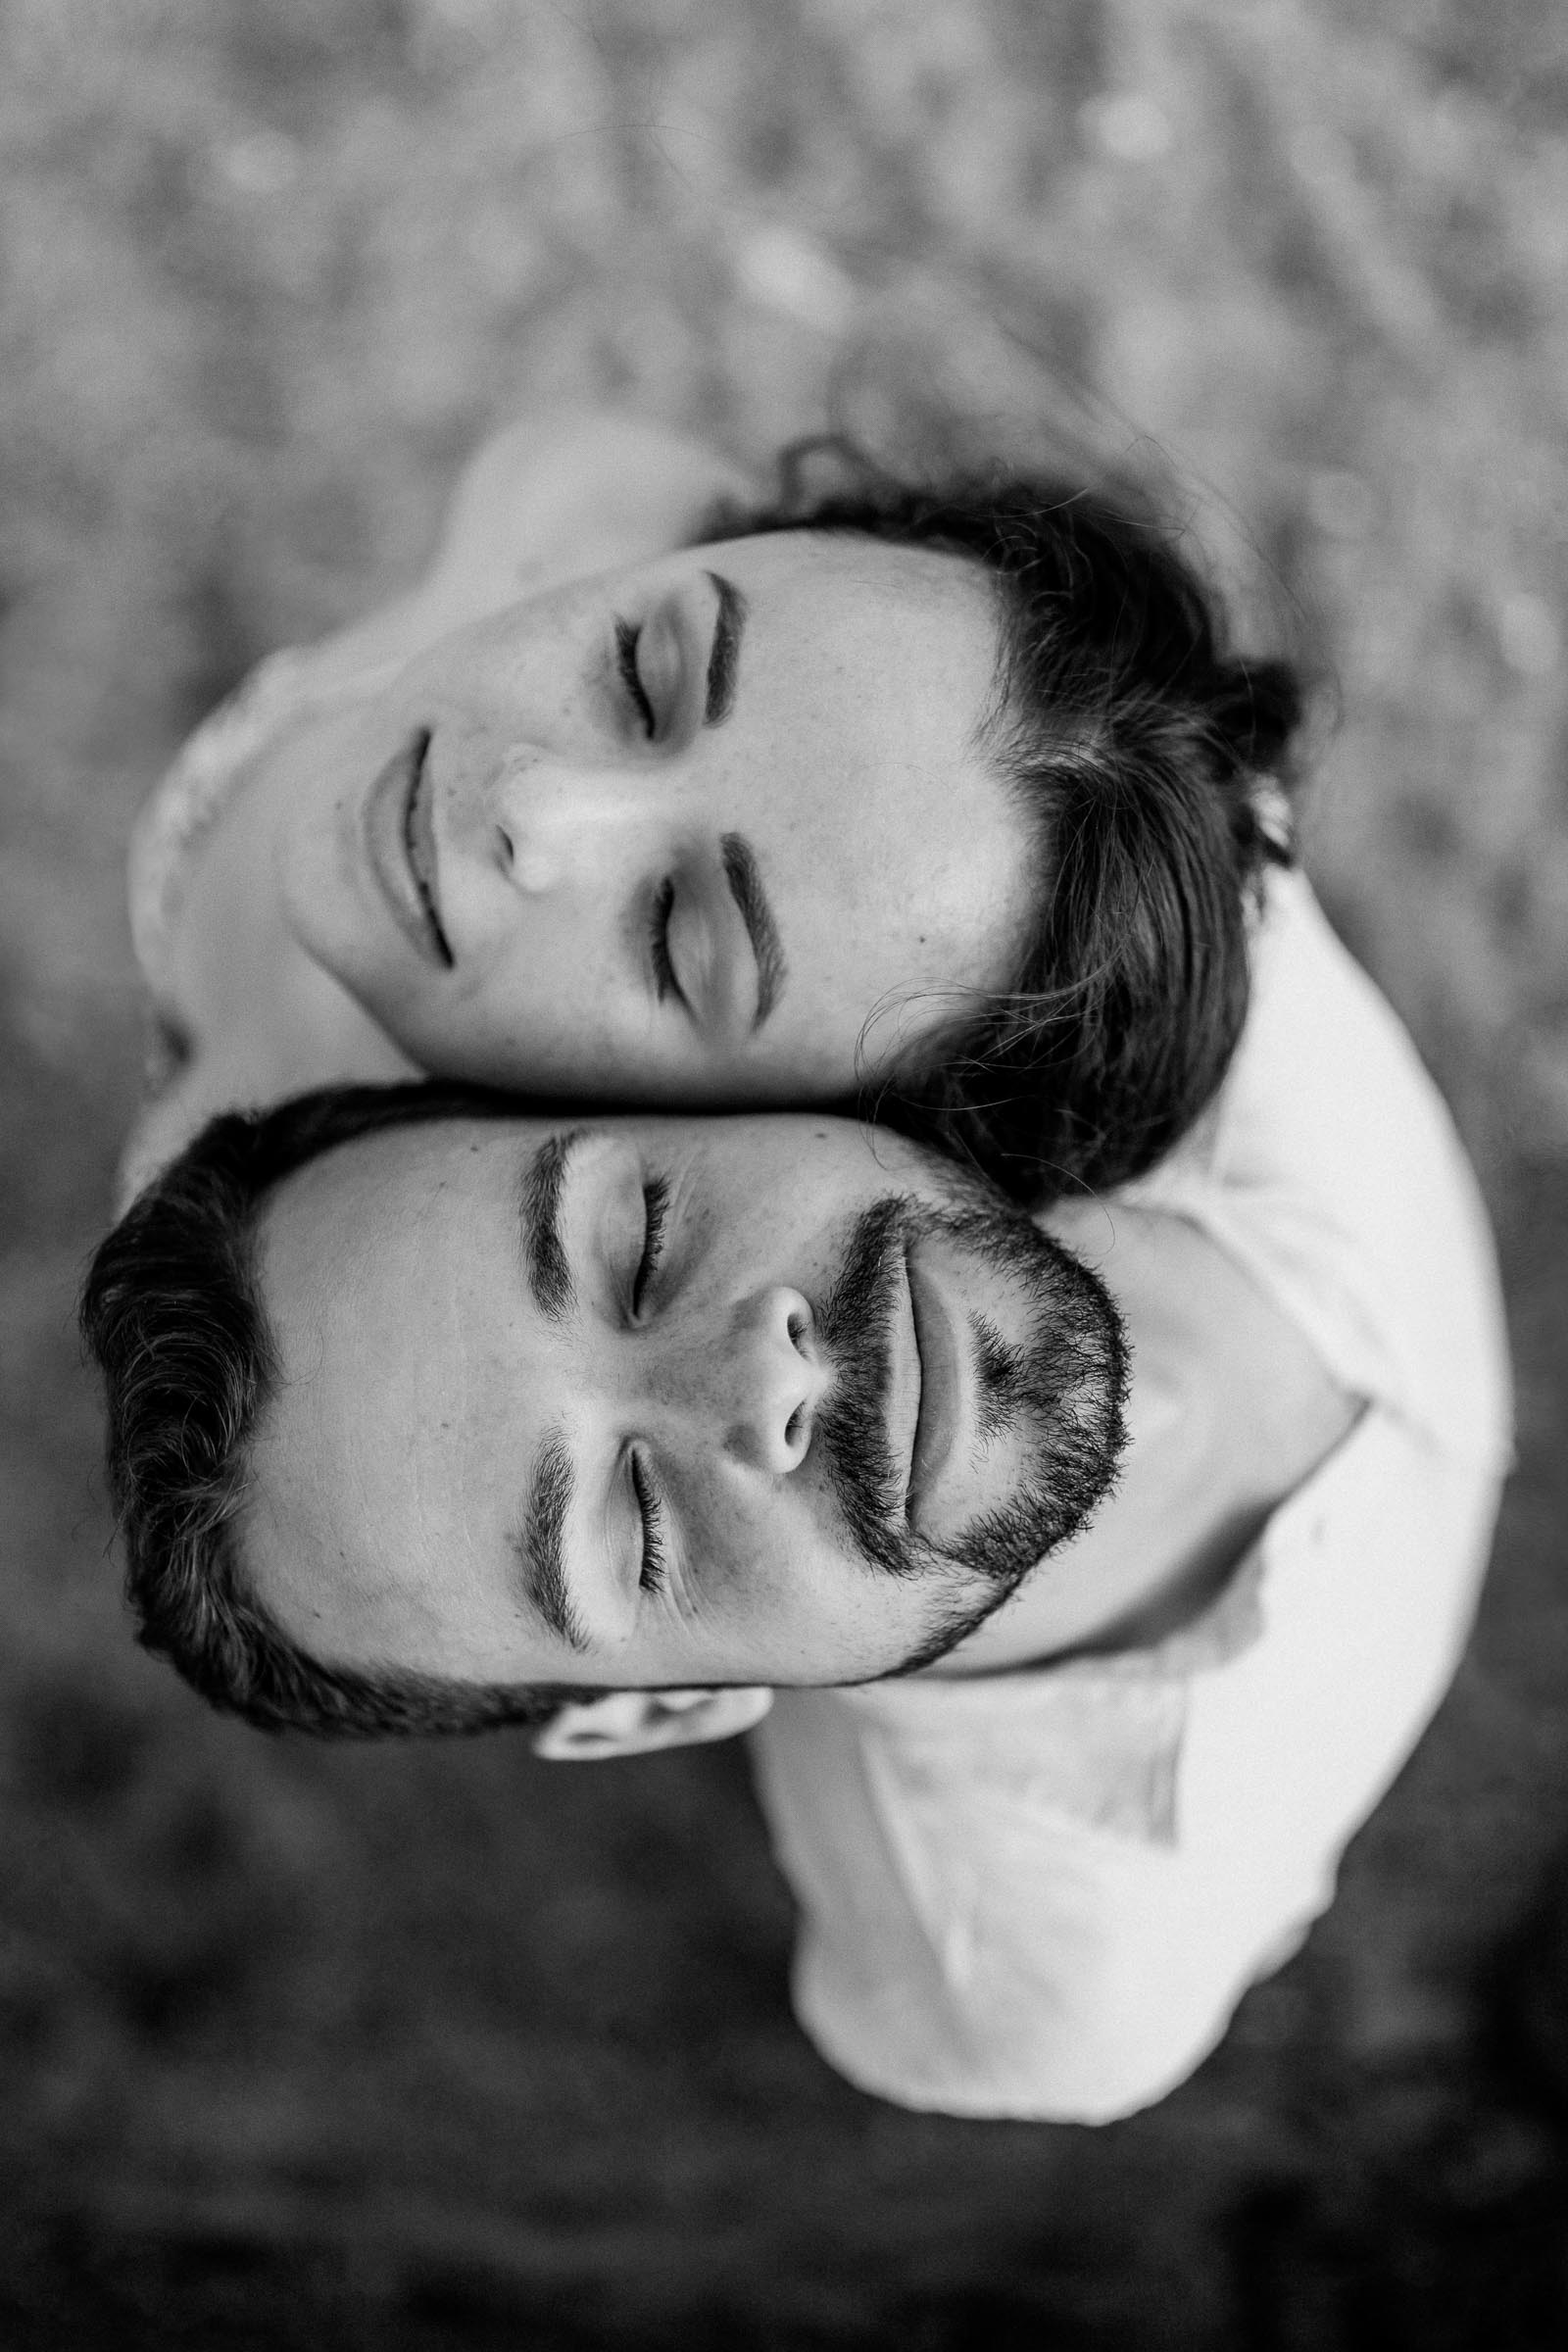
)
(650, 1509)
(656, 1211)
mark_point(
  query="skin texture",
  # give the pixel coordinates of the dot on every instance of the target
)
(1230, 1410)
(573, 818)
(420, 1378)
(596, 503)
(436, 1353)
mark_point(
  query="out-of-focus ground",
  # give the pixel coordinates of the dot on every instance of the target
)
(443, 2045)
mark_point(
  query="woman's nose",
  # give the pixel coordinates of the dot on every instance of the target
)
(548, 825)
(775, 1379)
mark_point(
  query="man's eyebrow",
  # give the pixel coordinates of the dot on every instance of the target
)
(728, 629)
(539, 1209)
(541, 1546)
(745, 889)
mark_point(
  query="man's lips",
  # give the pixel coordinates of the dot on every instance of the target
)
(924, 1403)
(937, 1348)
(418, 835)
(401, 840)
(902, 1403)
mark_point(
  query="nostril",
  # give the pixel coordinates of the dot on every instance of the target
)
(509, 847)
(792, 1427)
(795, 1327)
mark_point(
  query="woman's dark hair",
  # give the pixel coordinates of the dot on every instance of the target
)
(1150, 759)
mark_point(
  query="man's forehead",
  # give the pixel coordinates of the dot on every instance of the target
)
(350, 1188)
(432, 1152)
(422, 1228)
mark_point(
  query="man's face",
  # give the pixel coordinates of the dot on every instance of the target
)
(647, 1401)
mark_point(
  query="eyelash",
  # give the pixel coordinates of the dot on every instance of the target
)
(656, 1202)
(652, 1579)
(626, 638)
(665, 980)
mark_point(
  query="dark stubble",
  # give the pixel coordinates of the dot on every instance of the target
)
(1060, 1377)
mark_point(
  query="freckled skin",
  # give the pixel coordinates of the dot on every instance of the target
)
(892, 858)
(420, 1381)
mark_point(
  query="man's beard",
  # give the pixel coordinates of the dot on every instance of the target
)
(1033, 1379)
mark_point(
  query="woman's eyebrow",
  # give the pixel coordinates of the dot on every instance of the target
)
(745, 881)
(728, 629)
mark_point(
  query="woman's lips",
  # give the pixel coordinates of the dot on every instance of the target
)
(401, 840)
(418, 835)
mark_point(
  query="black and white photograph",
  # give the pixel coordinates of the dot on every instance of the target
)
(783, 1176)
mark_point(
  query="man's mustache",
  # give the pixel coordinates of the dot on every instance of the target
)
(1016, 1381)
(854, 1325)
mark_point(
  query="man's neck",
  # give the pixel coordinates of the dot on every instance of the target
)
(1229, 1412)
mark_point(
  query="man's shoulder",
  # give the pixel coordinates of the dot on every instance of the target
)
(1042, 1892)
(998, 1918)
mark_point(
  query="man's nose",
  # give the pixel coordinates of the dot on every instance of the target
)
(772, 1381)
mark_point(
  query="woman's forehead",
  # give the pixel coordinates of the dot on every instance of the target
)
(883, 580)
(858, 758)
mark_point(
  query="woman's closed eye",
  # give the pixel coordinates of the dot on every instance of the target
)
(628, 637)
(665, 982)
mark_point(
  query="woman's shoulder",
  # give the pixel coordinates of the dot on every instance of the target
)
(196, 1070)
(194, 790)
(567, 492)
(187, 1090)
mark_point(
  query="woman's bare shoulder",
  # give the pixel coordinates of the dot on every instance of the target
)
(312, 1035)
(168, 1121)
(570, 491)
(552, 497)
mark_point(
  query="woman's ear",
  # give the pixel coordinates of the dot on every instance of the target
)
(629, 1723)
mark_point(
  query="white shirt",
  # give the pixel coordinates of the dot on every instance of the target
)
(1042, 1893)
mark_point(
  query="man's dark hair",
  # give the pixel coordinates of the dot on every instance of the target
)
(1151, 762)
(172, 1312)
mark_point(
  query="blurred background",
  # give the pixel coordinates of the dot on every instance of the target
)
(444, 2046)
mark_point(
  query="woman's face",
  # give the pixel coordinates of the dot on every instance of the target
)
(682, 831)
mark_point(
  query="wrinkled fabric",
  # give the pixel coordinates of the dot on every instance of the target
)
(1042, 1893)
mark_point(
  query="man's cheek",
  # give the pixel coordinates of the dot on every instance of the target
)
(752, 1574)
